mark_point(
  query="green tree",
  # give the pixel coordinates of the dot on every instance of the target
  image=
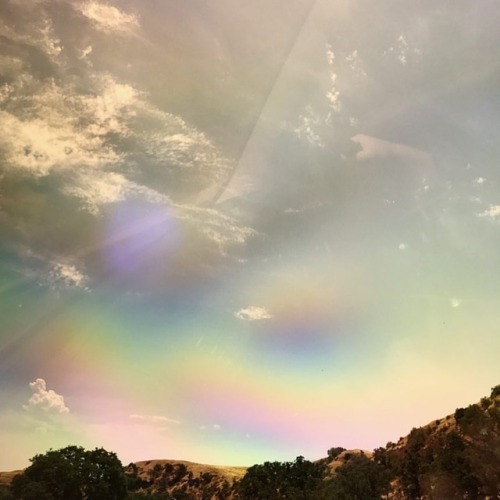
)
(5, 493)
(72, 473)
(413, 463)
(275, 480)
(359, 479)
(335, 452)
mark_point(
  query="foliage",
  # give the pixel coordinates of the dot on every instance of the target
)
(5, 493)
(470, 417)
(148, 496)
(452, 461)
(72, 473)
(134, 482)
(359, 479)
(275, 480)
(335, 452)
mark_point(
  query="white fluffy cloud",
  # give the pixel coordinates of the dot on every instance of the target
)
(253, 313)
(46, 400)
(61, 130)
(109, 19)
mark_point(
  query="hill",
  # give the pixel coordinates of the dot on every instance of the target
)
(455, 457)
(184, 479)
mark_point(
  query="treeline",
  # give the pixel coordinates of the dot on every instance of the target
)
(360, 477)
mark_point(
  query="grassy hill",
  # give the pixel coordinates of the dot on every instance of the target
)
(183, 479)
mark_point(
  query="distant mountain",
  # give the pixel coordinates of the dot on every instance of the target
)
(455, 457)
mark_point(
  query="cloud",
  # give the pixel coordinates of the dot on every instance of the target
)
(111, 125)
(220, 229)
(356, 64)
(403, 51)
(372, 147)
(60, 130)
(109, 19)
(492, 212)
(455, 302)
(96, 189)
(480, 180)
(308, 126)
(253, 313)
(333, 94)
(67, 275)
(46, 400)
(37, 32)
(50, 43)
(330, 54)
(154, 419)
(402, 246)
(87, 144)
(86, 52)
(215, 427)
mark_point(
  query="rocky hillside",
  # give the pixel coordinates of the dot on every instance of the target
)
(454, 457)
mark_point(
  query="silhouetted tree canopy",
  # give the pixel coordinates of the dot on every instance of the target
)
(275, 480)
(72, 473)
(335, 452)
(359, 479)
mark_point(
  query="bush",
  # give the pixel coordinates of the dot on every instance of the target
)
(335, 452)
(274, 480)
(359, 479)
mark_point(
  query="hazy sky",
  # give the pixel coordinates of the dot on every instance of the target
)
(235, 233)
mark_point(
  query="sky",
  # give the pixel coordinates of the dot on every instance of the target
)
(232, 234)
